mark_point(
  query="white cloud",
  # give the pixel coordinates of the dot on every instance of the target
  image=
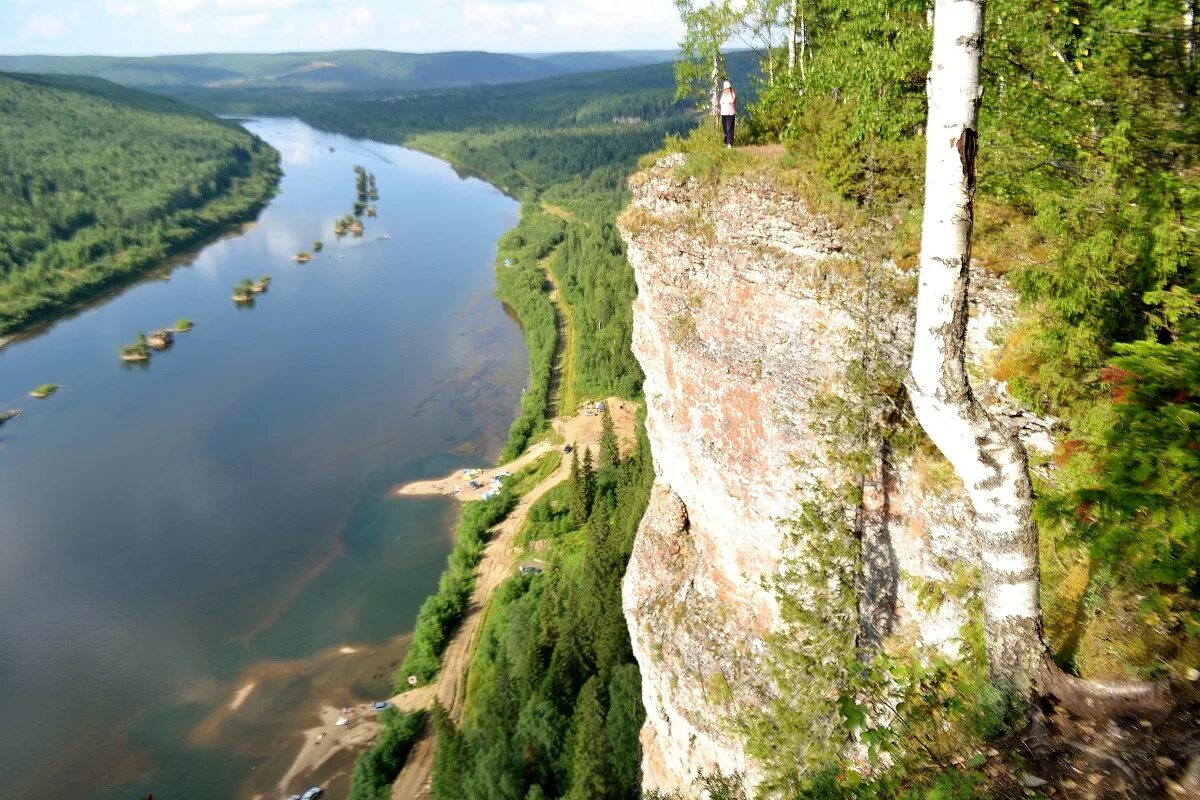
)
(239, 25)
(362, 15)
(43, 26)
(120, 7)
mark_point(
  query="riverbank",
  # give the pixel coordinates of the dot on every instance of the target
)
(152, 180)
(225, 215)
(324, 742)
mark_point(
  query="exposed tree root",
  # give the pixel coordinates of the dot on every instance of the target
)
(1101, 699)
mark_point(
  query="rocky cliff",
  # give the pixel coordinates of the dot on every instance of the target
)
(774, 349)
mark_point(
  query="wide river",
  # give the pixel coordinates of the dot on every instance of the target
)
(216, 526)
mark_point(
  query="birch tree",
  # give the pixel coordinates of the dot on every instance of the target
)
(988, 459)
(986, 456)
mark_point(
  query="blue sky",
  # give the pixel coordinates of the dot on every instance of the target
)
(148, 27)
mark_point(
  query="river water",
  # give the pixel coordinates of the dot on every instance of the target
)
(220, 518)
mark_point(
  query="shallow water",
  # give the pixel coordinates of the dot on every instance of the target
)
(220, 516)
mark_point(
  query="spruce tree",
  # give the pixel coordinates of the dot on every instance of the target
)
(452, 760)
(589, 481)
(610, 454)
(624, 723)
(579, 492)
(591, 765)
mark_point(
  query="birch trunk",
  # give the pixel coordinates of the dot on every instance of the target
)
(803, 46)
(987, 457)
(792, 17)
(1189, 31)
(715, 95)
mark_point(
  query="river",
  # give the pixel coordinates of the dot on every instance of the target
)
(173, 533)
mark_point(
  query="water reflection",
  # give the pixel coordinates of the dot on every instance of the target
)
(173, 531)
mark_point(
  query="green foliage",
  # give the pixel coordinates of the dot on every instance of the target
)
(1134, 475)
(79, 214)
(596, 280)
(377, 768)
(45, 390)
(582, 482)
(522, 285)
(610, 454)
(183, 325)
(554, 705)
(550, 517)
(701, 65)
(870, 57)
(591, 763)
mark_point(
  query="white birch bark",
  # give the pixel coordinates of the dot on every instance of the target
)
(792, 17)
(715, 94)
(1189, 31)
(987, 457)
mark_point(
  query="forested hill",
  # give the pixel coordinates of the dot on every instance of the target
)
(99, 183)
(343, 70)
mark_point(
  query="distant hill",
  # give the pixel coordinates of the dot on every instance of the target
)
(605, 59)
(337, 71)
(99, 183)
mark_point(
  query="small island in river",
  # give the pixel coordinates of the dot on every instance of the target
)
(44, 391)
(138, 351)
(161, 338)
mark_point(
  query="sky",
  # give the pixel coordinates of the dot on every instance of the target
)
(153, 27)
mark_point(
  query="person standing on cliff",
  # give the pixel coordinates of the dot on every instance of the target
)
(728, 112)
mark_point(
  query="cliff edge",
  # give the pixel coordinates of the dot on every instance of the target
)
(796, 515)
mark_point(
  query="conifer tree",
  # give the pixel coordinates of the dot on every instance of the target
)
(579, 491)
(591, 764)
(452, 759)
(610, 454)
(589, 480)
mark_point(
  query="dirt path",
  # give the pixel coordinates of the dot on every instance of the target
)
(324, 741)
(582, 430)
(554, 394)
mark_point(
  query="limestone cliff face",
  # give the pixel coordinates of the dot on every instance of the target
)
(751, 313)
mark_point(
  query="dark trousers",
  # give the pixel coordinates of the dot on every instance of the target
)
(727, 127)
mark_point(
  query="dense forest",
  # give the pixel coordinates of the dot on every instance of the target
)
(99, 183)
(554, 704)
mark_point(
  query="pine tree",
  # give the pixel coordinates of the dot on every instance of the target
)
(610, 454)
(591, 765)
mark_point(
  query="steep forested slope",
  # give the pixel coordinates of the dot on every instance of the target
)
(98, 183)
